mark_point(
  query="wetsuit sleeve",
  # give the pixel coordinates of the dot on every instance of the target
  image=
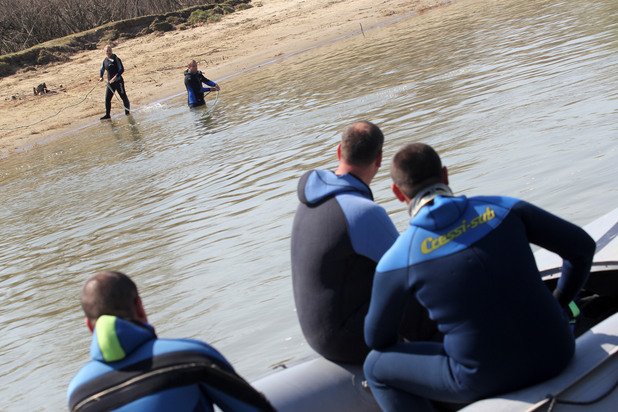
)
(206, 80)
(567, 240)
(386, 307)
(102, 71)
(120, 67)
(371, 230)
(373, 234)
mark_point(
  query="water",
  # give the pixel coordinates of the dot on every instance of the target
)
(520, 98)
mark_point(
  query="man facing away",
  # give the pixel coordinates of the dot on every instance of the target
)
(469, 262)
(338, 236)
(133, 370)
(115, 82)
(193, 82)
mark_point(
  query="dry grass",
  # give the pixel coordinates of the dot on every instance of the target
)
(20, 20)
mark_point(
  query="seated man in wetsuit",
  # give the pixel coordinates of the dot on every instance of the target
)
(133, 370)
(338, 236)
(468, 261)
(193, 82)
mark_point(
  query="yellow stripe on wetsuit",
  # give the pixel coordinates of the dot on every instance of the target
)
(108, 339)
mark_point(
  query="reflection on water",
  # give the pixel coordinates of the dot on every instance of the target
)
(520, 98)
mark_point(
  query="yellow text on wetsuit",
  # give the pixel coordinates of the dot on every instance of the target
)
(429, 244)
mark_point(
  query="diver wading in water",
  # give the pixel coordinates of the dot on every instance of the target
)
(193, 82)
(115, 82)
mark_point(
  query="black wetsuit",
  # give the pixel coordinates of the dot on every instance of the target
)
(114, 67)
(338, 236)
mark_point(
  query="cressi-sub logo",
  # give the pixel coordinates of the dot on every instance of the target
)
(429, 244)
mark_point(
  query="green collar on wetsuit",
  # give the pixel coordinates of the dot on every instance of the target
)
(107, 339)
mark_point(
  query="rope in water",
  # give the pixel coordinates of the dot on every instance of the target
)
(10, 129)
(214, 104)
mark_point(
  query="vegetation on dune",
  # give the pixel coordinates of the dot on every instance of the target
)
(35, 32)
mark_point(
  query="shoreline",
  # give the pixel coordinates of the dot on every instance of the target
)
(245, 41)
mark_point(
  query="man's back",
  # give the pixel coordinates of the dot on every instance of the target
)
(469, 263)
(338, 236)
(147, 373)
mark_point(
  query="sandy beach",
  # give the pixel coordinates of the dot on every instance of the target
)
(270, 31)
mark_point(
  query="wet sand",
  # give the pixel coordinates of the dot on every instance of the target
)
(271, 31)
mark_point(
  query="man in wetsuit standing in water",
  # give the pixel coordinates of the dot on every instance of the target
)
(193, 82)
(115, 82)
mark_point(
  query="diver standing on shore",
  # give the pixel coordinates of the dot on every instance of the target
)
(115, 82)
(193, 82)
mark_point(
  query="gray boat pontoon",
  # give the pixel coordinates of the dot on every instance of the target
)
(589, 383)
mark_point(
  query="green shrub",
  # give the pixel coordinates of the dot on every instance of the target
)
(215, 18)
(198, 16)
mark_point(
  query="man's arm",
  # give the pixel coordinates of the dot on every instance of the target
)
(102, 70)
(210, 83)
(388, 299)
(569, 241)
(372, 231)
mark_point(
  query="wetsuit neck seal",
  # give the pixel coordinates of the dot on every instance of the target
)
(426, 195)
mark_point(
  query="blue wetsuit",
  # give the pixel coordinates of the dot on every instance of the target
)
(469, 262)
(114, 67)
(338, 236)
(121, 348)
(195, 90)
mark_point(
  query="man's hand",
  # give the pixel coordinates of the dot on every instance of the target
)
(112, 80)
(100, 79)
(217, 88)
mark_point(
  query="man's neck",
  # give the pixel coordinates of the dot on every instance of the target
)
(362, 173)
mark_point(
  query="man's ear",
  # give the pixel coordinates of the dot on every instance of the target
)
(445, 175)
(378, 162)
(90, 325)
(339, 152)
(399, 194)
(140, 312)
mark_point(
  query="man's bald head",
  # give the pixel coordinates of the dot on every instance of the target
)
(109, 293)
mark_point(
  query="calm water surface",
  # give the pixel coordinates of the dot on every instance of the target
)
(520, 98)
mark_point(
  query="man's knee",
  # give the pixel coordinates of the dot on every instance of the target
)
(369, 366)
